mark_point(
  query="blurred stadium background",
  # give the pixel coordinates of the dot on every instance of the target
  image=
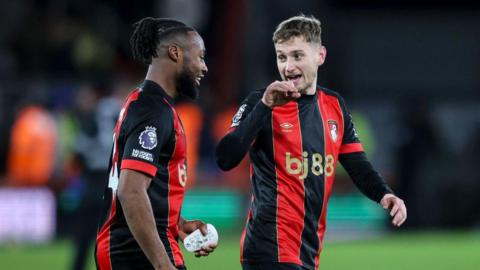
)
(408, 69)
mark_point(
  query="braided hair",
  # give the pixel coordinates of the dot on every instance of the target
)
(149, 32)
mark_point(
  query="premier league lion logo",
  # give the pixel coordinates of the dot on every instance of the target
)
(148, 138)
(238, 115)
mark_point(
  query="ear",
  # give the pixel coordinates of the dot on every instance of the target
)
(322, 54)
(174, 52)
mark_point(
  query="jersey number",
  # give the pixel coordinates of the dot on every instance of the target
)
(182, 174)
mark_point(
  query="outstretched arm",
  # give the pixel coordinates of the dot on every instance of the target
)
(370, 183)
(367, 180)
(365, 177)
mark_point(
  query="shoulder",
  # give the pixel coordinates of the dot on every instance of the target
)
(147, 109)
(254, 96)
(329, 92)
(333, 94)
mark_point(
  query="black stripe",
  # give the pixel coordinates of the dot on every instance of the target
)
(313, 143)
(261, 235)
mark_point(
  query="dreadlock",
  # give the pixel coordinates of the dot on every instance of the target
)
(148, 34)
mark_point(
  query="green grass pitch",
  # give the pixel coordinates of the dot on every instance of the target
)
(409, 251)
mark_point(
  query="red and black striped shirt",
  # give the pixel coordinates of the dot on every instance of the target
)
(148, 138)
(294, 150)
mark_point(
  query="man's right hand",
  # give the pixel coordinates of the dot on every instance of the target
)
(279, 93)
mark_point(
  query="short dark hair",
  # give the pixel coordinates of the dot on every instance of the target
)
(149, 32)
(307, 27)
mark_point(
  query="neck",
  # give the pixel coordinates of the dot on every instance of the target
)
(312, 89)
(165, 77)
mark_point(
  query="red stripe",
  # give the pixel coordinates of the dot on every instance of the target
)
(103, 235)
(123, 114)
(351, 148)
(244, 233)
(249, 217)
(330, 110)
(103, 241)
(290, 189)
(242, 241)
(138, 165)
(175, 188)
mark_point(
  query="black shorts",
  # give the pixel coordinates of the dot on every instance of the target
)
(131, 265)
(271, 266)
(144, 267)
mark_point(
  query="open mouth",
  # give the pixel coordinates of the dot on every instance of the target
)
(294, 78)
(198, 79)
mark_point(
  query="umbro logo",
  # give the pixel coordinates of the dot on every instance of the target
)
(286, 127)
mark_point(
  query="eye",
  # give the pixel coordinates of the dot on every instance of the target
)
(298, 56)
(281, 57)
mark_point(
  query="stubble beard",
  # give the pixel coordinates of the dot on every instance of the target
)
(186, 83)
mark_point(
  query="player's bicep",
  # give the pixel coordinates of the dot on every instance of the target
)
(144, 143)
(133, 182)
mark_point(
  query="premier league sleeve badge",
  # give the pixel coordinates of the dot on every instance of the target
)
(148, 138)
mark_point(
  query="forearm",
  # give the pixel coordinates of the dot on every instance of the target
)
(368, 181)
(139, 216)
(233, 147)
(181, 220)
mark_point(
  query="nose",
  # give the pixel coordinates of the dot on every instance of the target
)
(204, 68)
(289, 67)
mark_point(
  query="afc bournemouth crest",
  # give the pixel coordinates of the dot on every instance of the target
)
(333, 129)
(148, 138)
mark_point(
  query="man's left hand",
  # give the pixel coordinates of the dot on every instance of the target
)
(397, 208)
(187, 227)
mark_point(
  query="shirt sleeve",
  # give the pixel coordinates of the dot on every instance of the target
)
(145, 141)
(350, 141)
(247, 122)
(364, 176)
(356, 163)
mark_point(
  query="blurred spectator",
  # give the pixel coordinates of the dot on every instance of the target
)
(192, 121)
(460, 200)
(420, 146)
(97, 111)
(32, 147)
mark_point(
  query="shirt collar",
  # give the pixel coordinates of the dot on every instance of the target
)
(153, 88)
(307, 98)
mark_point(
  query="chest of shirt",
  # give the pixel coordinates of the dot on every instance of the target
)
(309, 127)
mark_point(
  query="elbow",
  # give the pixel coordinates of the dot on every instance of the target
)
(224, 157)
(224, 160)
(224, 164)
(123, 195)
